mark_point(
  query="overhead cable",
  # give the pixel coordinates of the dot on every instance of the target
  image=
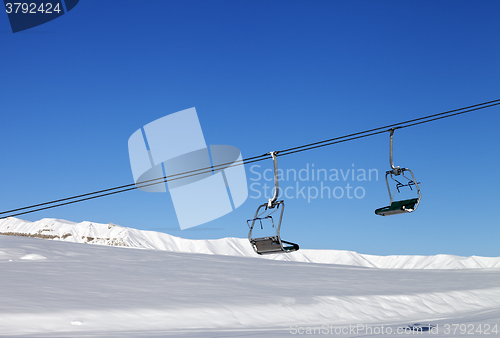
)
(297, 149)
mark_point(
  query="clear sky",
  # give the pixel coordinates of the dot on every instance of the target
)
(264, 75)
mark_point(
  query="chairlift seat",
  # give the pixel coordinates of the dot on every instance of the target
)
(398, 207)
(271, 245)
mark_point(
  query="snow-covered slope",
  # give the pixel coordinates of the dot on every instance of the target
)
(115, 235)
(60, 289)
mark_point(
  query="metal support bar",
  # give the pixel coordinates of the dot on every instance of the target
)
(251, 222)
(395, 170)
(418, 189)
(412, 181)
(271, 202)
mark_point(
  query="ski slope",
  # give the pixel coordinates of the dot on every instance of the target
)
(59, 288)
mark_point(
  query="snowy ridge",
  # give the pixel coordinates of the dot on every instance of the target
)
(115, 235)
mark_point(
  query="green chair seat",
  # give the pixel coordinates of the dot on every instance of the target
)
(398, 207)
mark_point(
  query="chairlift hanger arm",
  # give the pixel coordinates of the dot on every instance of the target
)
(395, 170)
(272, 201)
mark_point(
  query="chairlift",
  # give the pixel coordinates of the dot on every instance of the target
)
(271, 244)
(403, 206)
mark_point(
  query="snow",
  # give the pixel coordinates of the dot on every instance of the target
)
(115, 235)
(33, 257)
(187, 288)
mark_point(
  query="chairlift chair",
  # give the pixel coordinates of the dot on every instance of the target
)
(270, 244)
(403, 206)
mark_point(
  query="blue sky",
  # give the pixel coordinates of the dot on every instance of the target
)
(263, 75)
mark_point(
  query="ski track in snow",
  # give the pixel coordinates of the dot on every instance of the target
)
(53, 288)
